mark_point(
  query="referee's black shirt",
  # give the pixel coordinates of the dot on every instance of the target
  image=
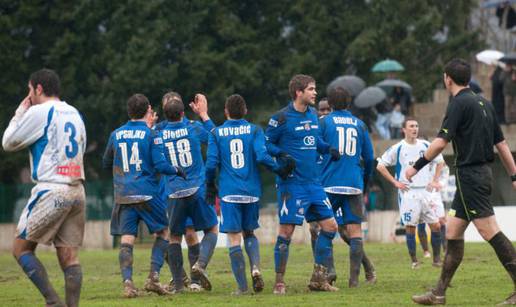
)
(470, 124)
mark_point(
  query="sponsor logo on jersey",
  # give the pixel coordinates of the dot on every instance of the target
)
(273, 123)
(69, 170)
(309, 140)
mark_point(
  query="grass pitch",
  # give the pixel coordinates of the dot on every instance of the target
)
(479, 281)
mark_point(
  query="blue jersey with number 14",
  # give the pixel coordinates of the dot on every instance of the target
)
(135, 153)
(349, 135)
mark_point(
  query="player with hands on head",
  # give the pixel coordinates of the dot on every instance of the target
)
(54, 132)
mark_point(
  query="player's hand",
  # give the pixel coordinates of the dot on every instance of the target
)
(410, 172)
(335, 154)
(200, 106)
(25, 104)
(180, 172)
(287, 169)
(211, 192)
(433, 186)
(288, 160)
(401, 186)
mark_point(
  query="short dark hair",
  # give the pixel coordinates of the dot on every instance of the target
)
(49, 81)
(174, 110)
(236, 106)
(407, 119)
(299, 83)
(459, 71)
(339, 98)
(171, 96)
(137, 106)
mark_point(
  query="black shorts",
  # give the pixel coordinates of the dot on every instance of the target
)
(471, 199)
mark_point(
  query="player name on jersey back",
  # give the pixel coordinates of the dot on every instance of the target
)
(130, 134)
(174, 134)
(345, 120)
(231, 131)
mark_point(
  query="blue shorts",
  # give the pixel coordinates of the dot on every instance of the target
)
(348, 209)
(202, 215)
(125, 218)
(235, 217)
(297, 202)
(188, 223)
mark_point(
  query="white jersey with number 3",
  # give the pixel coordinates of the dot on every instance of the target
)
(402, 155)
(55, 134)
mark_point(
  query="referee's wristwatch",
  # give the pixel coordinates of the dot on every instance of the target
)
(513, 177)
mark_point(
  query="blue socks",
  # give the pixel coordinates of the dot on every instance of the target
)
(238, 266)
(175, 260)
(208, 243)
(252, 248)
(355, 258)
(73, 284)
(281, 254)
(159, 250)
(38, 275)
(125, 257)
(324, 248)
(411, 245)
(436, 245)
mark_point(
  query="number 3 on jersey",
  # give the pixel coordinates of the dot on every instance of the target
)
(347, 141)
(183, 152)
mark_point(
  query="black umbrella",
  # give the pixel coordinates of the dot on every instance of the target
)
(389, 84)
(353, 84)
(509, 58)
(369, 97)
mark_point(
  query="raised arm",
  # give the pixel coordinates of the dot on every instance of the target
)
(212, 159)
(26, 127)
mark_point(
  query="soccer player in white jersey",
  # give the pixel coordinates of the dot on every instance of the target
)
(414, 198)
(54, 133)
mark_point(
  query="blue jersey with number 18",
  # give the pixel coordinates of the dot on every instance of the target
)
(135, 152)
(182, 141)
(349, 134)
(236, 147)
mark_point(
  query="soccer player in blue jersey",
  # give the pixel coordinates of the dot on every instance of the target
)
(186, 196)
(200, 107)
(345, 180)
(135, 153)
(294, 131)
(236, 148)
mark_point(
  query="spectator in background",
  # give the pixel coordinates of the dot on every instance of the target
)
(396, 122)
(402, 97)
(323, 108)
(497, 97)
(383, 119)
(506, 16)
(509, 91)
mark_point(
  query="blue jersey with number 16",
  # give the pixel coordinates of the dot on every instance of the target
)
(349, 134)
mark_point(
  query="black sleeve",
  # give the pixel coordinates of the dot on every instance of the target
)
(497, 130)
(451, 121)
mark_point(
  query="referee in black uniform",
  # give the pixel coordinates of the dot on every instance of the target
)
(470, 124)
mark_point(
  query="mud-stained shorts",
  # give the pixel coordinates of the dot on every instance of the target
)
(54, 214)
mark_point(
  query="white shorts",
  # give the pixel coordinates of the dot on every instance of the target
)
(416, 207)
(437, 204)
(54, 214)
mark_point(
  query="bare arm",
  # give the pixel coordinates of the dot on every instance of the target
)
(387, 175)
(506, 156)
